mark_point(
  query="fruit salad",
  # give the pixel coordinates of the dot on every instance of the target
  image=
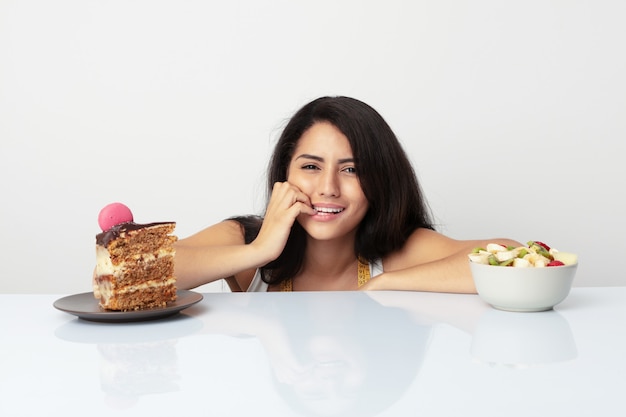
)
(536, 254)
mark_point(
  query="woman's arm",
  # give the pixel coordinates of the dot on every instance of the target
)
(217, 252)
(220, 251)
(430, 261)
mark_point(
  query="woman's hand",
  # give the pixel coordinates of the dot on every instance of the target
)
(286, 204)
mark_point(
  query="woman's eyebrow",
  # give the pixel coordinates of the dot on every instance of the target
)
(320, 159)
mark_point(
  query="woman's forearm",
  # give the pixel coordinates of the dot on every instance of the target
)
(451, 275)
(199, 265)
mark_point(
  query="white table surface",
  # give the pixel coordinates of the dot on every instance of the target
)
(343, 354)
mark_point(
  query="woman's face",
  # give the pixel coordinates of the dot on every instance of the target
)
(323, 167)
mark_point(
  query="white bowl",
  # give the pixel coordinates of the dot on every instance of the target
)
(523, 289)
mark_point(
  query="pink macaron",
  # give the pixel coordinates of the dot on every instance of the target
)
(114, 214)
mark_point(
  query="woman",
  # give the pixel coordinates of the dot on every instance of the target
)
(344, 207)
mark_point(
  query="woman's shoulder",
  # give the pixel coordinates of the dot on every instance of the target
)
(250, 225)
(423, 245)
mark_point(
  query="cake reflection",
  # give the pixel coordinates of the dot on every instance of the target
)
(135, 359)
(129, 371)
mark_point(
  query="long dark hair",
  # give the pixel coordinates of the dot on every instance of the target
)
(396, 203)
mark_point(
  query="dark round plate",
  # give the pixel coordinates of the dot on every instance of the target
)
(86, 307)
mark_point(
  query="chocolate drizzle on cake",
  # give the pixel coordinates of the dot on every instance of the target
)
(120, 230)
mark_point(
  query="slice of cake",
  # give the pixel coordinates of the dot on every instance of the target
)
(134, 262)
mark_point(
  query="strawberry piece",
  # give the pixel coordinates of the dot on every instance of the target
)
(555, 263)
(543, 245)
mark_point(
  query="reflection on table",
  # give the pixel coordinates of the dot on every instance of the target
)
(320, 354)
(328, 352)
(523, 340)
(133, 361)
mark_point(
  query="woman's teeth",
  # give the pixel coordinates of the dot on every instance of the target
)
(328, 210)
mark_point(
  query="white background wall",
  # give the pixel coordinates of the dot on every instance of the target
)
(513, 112)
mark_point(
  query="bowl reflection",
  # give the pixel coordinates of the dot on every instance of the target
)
(519, 340)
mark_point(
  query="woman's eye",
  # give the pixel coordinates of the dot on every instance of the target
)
(350, 170)
(309, 166)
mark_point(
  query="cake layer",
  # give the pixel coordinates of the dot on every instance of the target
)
(135, 268)
(150, 294)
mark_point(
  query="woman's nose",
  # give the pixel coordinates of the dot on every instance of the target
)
(329, 184)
